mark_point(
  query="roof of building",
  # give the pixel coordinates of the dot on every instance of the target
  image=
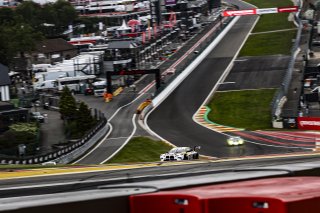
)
(54, 45)
(121, 45)
(4, 76)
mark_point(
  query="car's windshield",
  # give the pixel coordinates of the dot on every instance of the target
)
(179, 150)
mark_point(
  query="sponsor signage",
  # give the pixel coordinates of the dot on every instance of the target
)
(260, 11)
(239, 12)
(266, 10)
(309, 123)
(288, 9)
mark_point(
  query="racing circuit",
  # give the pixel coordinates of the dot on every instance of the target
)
(109, 187)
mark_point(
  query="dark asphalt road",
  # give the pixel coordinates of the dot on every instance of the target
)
(122, 128)
(175, 113)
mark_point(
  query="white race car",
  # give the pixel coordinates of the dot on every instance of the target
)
(235, 141)
(180, 153)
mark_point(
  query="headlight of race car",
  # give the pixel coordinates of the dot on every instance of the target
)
(235, 141)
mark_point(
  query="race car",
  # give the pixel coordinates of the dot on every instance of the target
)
(235, 141)
(180, 153)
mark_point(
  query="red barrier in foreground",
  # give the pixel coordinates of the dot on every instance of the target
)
(308, 123)
(274, 195)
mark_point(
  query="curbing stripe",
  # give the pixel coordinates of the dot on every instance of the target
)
(201, 117)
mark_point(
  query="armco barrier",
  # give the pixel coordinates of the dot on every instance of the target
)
(276, 104)
(68, 153)
(193, 60)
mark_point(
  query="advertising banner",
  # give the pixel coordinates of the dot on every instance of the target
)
(266, 10)
(309, 123)
(288, 9)
(239, 12)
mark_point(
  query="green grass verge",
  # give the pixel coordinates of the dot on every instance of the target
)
(270, 3)
(141, 149)
(270, 22)
(269, 44)
(248, 109)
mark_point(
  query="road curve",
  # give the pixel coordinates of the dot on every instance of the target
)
(172, 120)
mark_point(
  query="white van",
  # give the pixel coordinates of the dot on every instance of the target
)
(40, 67)
(99, 88)
(75, 83)
(45, 85)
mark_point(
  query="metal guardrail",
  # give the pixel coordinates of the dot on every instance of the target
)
(191, 57)
(68, 153)
(283, 90)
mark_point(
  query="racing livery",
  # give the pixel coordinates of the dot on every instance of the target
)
(180, 153)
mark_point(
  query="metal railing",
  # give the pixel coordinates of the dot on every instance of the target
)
(68, 153)
(276, 103)
(191, 57)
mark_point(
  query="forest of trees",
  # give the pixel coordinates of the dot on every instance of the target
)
(29, 22)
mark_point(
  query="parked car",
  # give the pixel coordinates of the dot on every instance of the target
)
(180, 153)
(37, 116)
(88, 91)
(235, 141)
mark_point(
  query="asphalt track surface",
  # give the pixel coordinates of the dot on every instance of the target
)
(48, 184)
(172, 120)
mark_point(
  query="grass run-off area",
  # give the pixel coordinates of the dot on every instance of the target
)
(273, 21)
(270, 3)
(248, 109)
(269, 44)
(141, 149)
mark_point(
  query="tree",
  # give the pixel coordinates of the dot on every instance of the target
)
(67, 105)
(29, 12)
(7, 15)
(17, 38)
(84, 118)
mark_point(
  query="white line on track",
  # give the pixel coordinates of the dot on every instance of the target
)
(111, 128)
(125, 143)
(101, 141)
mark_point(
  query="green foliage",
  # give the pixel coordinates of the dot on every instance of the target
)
(78, 119)
(7, 15)
(16, 38)
(71, 130)
(20, 133)
(22, 27)
(31, 128)
(67, 104)
(66, 13)
(84, 118)
(249, 109)
(28, 12)
(141, 149)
